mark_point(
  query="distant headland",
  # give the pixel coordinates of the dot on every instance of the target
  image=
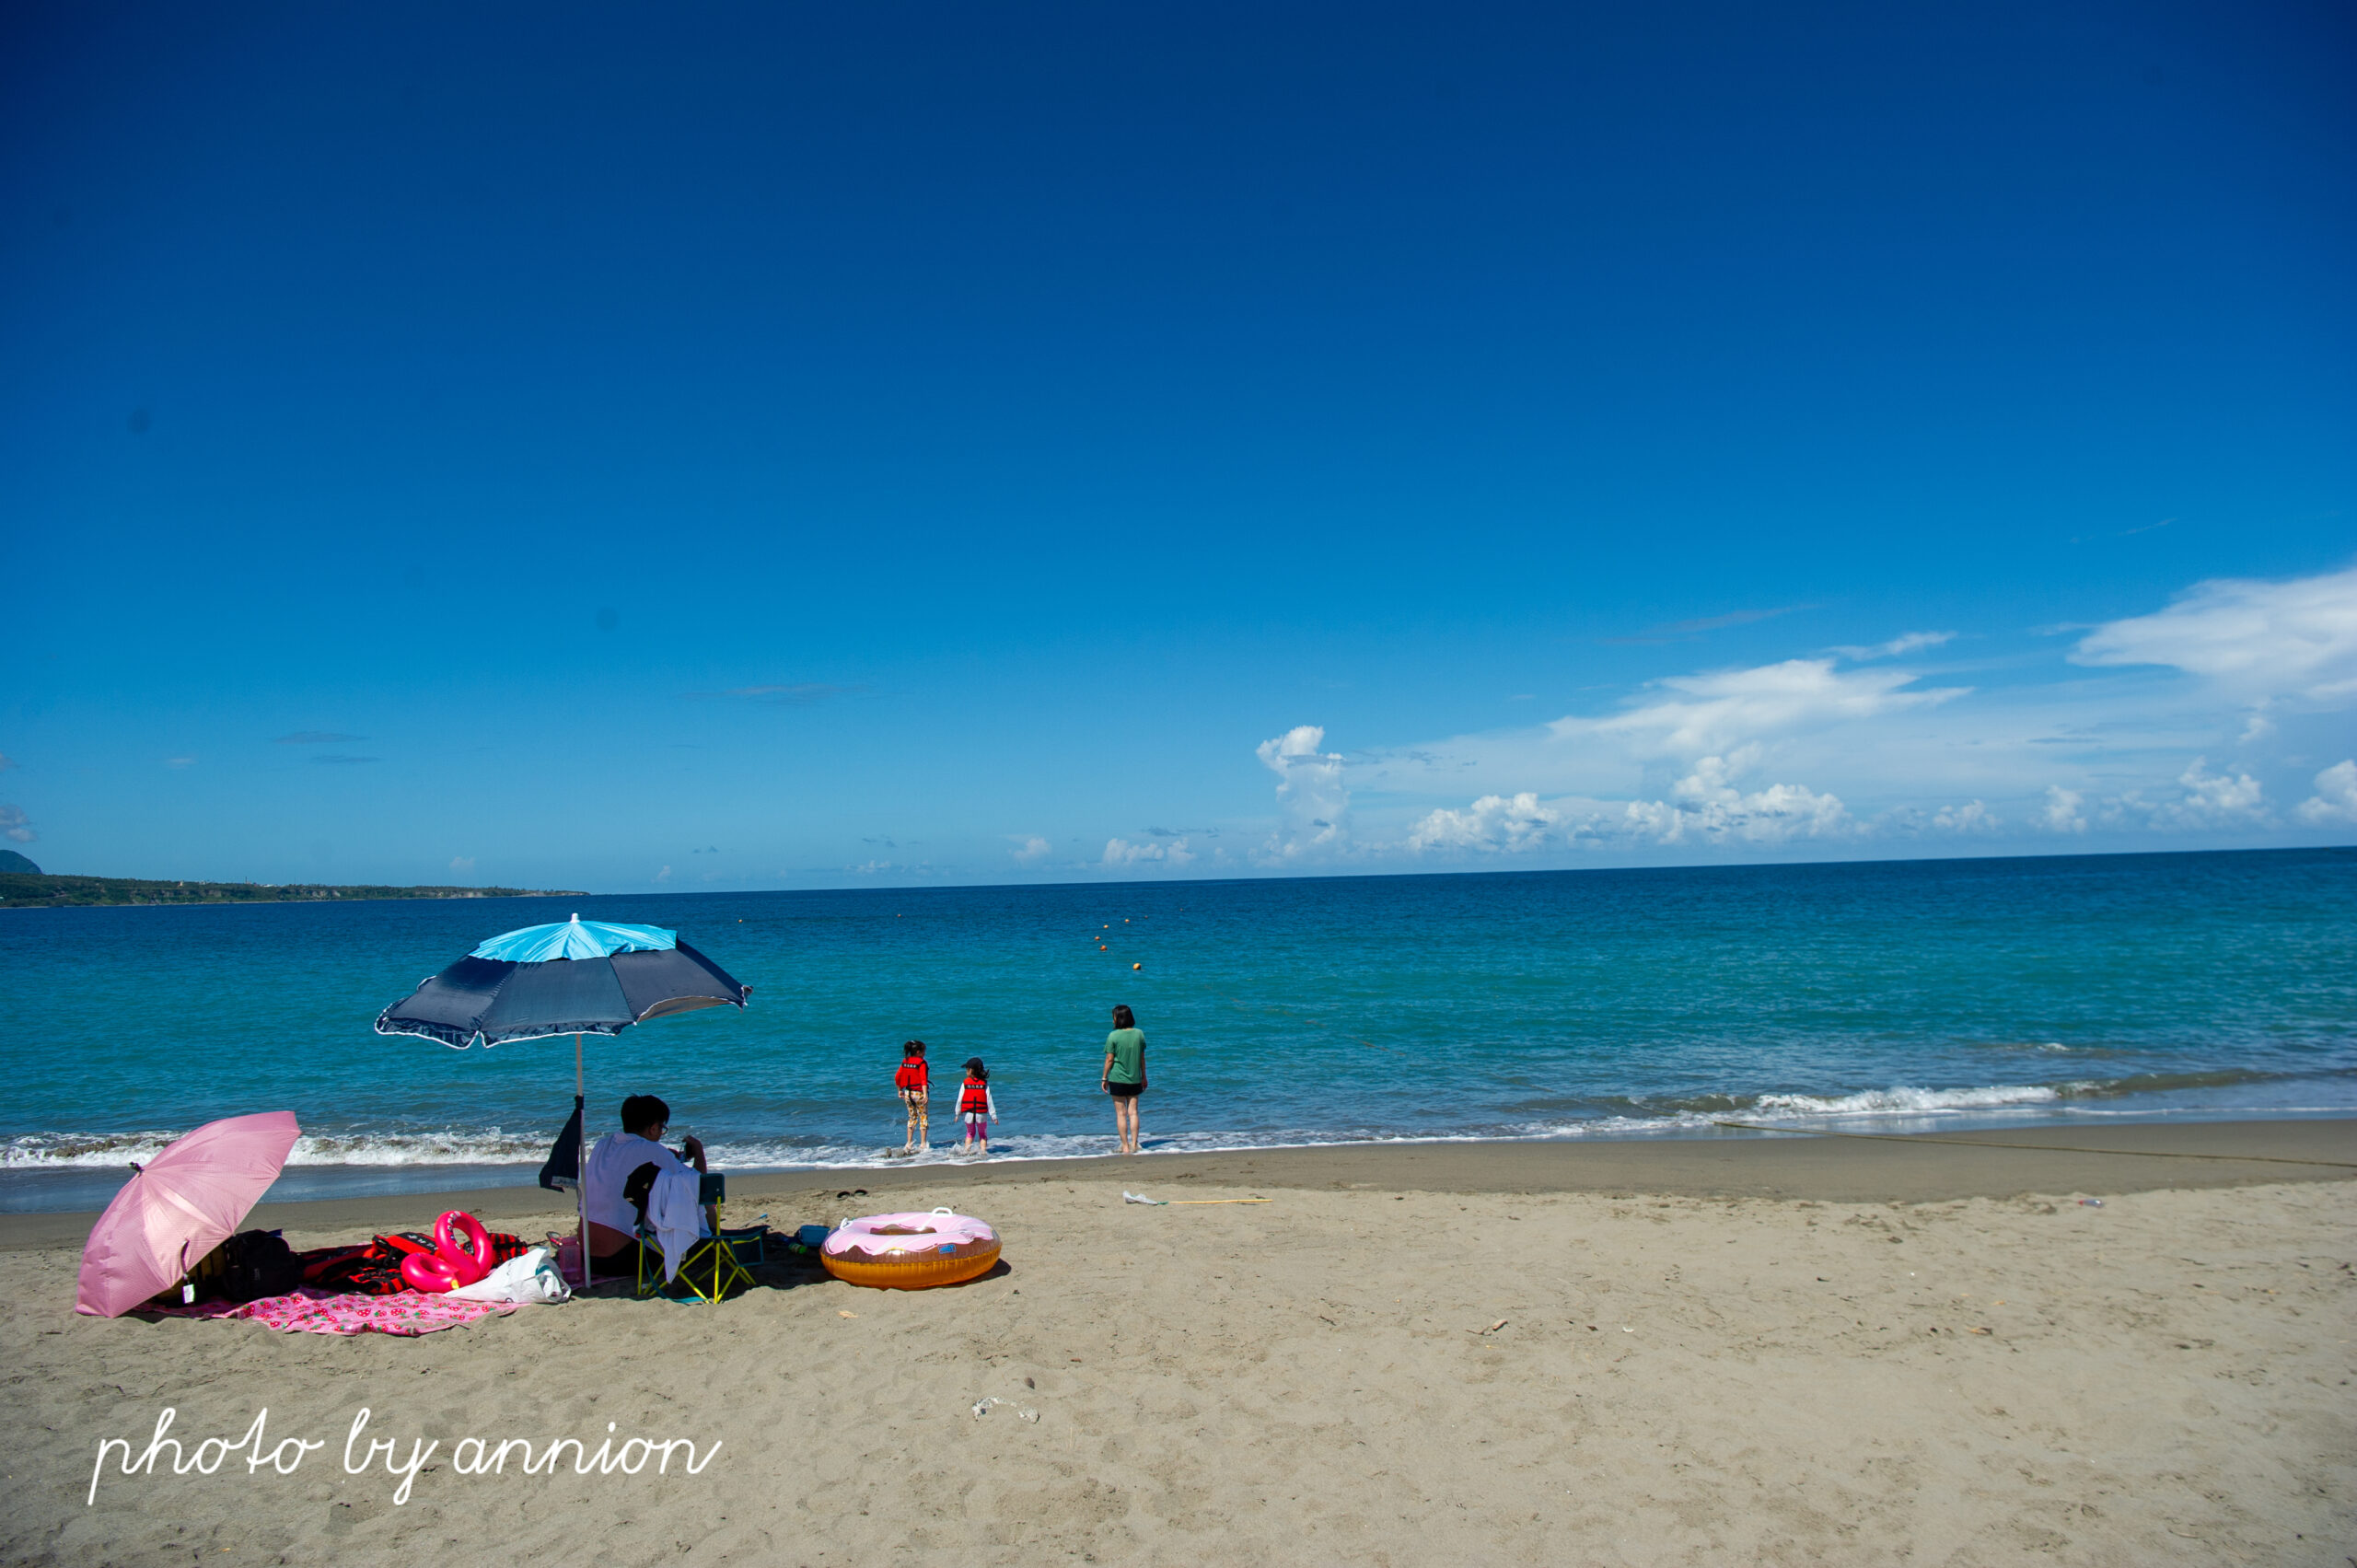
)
(34, 889)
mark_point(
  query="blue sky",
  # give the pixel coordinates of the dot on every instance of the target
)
(787, 446)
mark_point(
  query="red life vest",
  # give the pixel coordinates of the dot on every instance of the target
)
(973, 1098)
(913, 1074)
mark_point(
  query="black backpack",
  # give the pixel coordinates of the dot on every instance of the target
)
(256, 1263)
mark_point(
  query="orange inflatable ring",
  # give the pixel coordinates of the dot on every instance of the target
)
(911, 1252)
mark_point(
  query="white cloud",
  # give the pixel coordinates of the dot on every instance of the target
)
(1972, 816)
(663, 875)
(2249, 671)
(1887, 739)
(464, 865)
(2209, 802)
(1715, 713)
(1908, 642)
(2061, 813)
(1120, 852)
(1707, 805)
(2263, 640)
(1492, 825)
(15, 824)
(2214, 800)
(1311, 793)
(2335, 800)
(1030, 849)
(1704, 807)
(2255, 673)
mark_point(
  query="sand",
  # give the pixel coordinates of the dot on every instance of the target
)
(1709, 1354)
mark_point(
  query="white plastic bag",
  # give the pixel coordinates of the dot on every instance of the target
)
(532, 1280)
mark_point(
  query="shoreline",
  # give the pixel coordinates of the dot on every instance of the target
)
(1844, 1168)
(39, 1187)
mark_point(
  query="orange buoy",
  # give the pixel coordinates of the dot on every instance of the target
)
(1137, 966)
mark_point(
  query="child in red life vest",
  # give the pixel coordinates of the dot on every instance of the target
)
(914, 1081)
(975, 1103)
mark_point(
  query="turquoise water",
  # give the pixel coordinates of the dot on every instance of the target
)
(1537, 1006)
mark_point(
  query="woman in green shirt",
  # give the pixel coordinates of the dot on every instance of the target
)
(1124, 1075)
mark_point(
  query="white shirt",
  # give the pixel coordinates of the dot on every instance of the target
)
(671, 1209)
(611, 1160)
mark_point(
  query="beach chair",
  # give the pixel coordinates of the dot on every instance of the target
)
(710, 1272)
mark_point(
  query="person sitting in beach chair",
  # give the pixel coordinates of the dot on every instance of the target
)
(613, 1221)
(707, 1267)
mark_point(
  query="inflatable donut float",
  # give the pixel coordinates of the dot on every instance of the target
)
(910, 1251)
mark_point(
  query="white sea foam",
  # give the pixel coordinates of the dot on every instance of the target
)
(1901, 1100)
(112, 1151)
(1897, 1105)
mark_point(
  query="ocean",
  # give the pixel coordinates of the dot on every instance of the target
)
(1897, 995)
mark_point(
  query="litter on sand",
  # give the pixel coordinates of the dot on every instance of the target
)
(1493, 1328)
(983, 1408)
(1186, 1203)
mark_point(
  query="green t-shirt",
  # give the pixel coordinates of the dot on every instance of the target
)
(1128, 1047)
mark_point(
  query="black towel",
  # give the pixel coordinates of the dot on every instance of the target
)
(564, 1169)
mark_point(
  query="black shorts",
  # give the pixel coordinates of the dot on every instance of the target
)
(1125, 1091)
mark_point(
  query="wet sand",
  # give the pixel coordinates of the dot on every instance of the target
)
(1747, 1350)
(2132, 1158)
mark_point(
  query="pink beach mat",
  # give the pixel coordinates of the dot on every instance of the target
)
(406, 1312)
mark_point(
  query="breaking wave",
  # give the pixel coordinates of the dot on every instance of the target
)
(110, 1151)
(1605, 1118)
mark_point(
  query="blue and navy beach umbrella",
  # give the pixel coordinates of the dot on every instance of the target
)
(583, 977)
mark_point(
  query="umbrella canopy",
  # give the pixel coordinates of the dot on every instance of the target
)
(578, 977)
(180, 1206)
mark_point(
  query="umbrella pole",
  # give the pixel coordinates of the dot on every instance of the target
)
(581, 1164)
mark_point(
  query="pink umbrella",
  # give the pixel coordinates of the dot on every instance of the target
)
(182, 1204)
